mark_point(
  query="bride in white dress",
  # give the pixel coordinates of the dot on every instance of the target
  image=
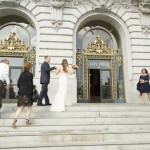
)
(58, 104)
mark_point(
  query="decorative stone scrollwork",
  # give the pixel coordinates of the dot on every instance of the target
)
(126, 4)
(77, 2)
(144, 8)
(101, 4)
(57, 12)
(57, 3)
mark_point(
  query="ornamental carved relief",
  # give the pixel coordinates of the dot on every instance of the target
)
(144, 6)
(101, 4)
(57, 7)
(144, 10)
(12, 45)
(98, 47)
(57, 3)
(57, 12)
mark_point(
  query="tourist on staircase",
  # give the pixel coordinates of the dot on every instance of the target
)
(25, 93)
(4, 76)
(144, 85)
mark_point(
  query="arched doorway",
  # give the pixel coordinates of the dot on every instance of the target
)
(88, 28)
(18, 43)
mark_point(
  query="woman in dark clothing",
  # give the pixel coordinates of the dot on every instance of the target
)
(144, 85)
(25, 93)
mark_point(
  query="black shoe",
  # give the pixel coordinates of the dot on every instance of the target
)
(48, 104)
(40, 105)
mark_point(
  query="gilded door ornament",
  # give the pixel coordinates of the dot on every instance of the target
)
(119, 69)
(98, 47)
(79, 57)
(32, 55)
(97, 50)
(12, 46)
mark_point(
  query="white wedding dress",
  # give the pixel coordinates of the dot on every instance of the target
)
(59, 102)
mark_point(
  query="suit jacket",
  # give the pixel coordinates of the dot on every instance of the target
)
(45, 73)
(25, 84)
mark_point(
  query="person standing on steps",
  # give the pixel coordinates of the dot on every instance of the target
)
(144, 85)
(45, 80)
(4, 76)
(25, 93)
(59, 102)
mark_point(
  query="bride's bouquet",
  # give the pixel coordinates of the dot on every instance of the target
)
(75, 66)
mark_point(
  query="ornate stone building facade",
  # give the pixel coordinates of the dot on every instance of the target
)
(109, 39)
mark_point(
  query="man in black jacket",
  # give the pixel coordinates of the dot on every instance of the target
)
(45, 80)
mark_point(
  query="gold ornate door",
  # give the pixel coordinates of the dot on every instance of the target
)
(17, 52)
(101, 61)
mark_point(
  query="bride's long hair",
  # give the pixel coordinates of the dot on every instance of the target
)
(65, 65)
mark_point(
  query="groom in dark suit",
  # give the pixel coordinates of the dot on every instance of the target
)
(45, 80)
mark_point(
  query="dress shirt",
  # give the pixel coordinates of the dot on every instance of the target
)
(4, 73)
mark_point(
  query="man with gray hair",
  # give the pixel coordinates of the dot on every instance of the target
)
(4, 76)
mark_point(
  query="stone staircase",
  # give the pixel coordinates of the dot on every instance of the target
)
(81, 127)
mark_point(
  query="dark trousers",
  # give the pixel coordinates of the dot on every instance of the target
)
(43, 94)
(1, 89)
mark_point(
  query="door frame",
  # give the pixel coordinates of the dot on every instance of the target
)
(101, 86)
(85, 76)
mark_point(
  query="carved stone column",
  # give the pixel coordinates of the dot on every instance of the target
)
(57, 12)
(144, 7)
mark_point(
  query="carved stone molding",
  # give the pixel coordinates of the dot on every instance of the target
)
(101, 4)
(57, 12)
(57, 3)
(9, 2)
(144, 6)
(144, 10)
(77, 2)
(126, 3)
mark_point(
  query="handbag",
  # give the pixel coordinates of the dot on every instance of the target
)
(35, 96)
(138, 86)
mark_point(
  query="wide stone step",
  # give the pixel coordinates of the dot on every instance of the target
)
(70, 121)
(72, 137)
(81, 127)
(86, 107)
(88, 114)
(77, 127)
(48, 114)
(119, 145)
